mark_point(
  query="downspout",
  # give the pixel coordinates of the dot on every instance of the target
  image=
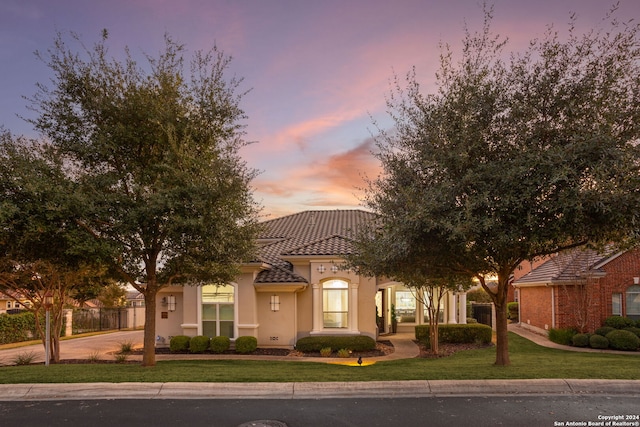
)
(553, 306)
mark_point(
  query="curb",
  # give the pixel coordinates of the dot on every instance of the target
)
(315, 390)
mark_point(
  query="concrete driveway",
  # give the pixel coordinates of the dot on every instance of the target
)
(79, 348)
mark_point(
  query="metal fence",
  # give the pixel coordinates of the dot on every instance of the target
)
(99, 319)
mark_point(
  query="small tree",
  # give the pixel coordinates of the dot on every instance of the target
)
(154, 155)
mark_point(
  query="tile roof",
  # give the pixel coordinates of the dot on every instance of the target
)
(308, 233)
(571, 265)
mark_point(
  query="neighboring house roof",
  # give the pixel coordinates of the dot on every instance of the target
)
(306, 234)
(568, 266)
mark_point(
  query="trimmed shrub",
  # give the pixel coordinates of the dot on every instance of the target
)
(246, 344)
(199, 344)
(220, 344)
(179, 343)
(603, 331)
(580, 340)
(512, 310)
(623, 340)
(344, 353)
(326, 352)
(638, 323)
(471, 320)
(618, 322)
(561, 336)
(634, 330)
(452, 333)
(353, 343)
(598, 341)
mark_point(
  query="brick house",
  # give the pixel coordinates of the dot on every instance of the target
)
(579, 289)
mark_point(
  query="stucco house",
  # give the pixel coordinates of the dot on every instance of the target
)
(296, 288)
(579, 289)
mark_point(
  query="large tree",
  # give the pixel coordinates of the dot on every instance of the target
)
(514, 156)
(154, 152)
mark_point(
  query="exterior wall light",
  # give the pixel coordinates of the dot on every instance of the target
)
(636, 280)
(275, 303)
(171, 303)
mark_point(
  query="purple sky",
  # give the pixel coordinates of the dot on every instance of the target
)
(319, 70)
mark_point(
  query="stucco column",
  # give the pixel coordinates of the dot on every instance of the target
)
(451, 306)
(316, 297)
(462, 302)
(353, 307)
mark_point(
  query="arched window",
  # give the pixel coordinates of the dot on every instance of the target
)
(633, 301)
(335, 304)
(218, 310)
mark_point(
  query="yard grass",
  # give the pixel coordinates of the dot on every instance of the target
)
(528, 360)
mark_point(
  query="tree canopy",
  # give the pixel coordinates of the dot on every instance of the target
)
(153, 153)
(514, 156)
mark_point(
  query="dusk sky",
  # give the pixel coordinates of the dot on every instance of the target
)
(319, 71)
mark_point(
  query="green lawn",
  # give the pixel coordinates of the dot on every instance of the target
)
(528, 360)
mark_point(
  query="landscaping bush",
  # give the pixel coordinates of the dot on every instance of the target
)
(623, 340)
(220, 344)
(179, 343)
(561, 336)
(471, 320)
(246, 344)
(633, 329)
(17, 327)
(199, 344)
(326, 352)
(353, 343)
(604, 330)
(512, 310)
(598, 341)
(580, 340)
(451, 333)
(618, 322)
(344, 353)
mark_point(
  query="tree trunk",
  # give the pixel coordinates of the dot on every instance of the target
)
(502, 337)
(149, 352)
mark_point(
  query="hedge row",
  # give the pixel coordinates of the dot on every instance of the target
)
(453, 333)
(617, 332)
(353, 343)
(201, 344)
(17, 327)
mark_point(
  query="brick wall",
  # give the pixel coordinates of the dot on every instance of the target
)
(535, 306)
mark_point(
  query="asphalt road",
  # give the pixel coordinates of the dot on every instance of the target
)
(535, 411)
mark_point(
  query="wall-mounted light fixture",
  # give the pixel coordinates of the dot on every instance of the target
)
(171, 303)
(636, 280)
(275, 303)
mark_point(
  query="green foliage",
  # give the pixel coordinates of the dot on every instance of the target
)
(162, 143)
(580, 340)
(512, 310)
(623, 340)
(452, 333)
(634, 330)
(179, 343)
(561, 335)
(246, 344)
(598, 341)
(353, 343)
(501, 128)
(604, 330)
(199, 344)
(126, 347)
(26, 358)
(326, 352)
(220, 344)
(478, 295)
(17, 327)
(344, 353)
(618, 322)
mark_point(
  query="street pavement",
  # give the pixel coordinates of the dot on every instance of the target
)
(105, 345)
